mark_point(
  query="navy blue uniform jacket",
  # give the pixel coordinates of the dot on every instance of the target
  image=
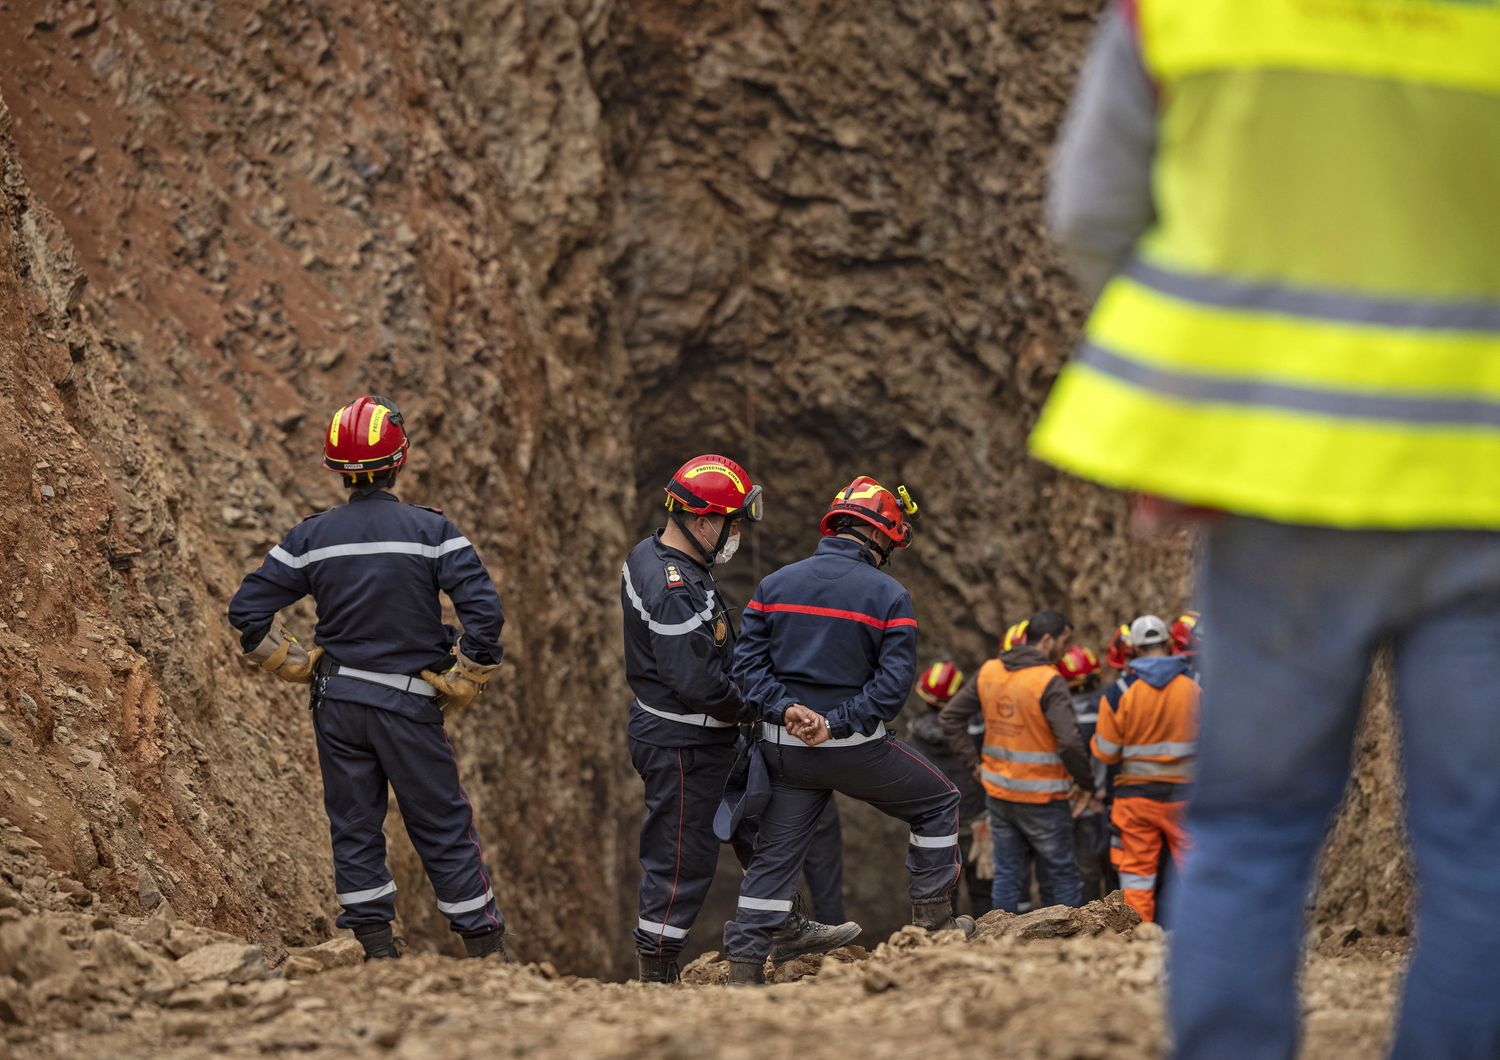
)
(679, 644)
(833, 633)
(375, 567)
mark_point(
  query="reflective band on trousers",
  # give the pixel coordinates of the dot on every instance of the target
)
(1348, 307)
(1038, 758)
(1327, 401)
(651, 927)
(934, 840)
(1144, 767)
(400, 682)
(776, 734)
(770, 905)
(1166, 747)
(1131, 882)
(1016, 784)
(468, 905)
(702, 721)
(355, 897)
(368, 548)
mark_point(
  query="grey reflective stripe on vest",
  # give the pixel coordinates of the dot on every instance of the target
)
(651, 927)
(1338, 306)
(468, 905)
(400, 682)
(355, 897)
(673, 629)
(1034, 758)
(1166, 747)
(776, 734)
(1325, 401)
(702, 721)
(1143, 767)
(1131, 882)
(1016, 784)
(369, 548)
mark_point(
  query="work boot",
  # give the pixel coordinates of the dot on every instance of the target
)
(487, 944)
(938, 916)
(747, 973)
(800, 935)
(657, 969)
(379, 942)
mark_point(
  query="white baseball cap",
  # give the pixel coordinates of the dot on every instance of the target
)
(1148, 630)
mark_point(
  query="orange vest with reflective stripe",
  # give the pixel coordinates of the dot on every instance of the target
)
(1153, 733)
(1020, 761)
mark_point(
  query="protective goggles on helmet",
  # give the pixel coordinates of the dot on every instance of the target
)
(754, 507)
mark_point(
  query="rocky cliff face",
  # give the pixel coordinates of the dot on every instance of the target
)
(579, 241)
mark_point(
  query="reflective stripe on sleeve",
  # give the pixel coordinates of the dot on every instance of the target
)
(369, 548)
(355, 897)
(1035, 758)
(651, 927)
(1108, 747)
(770, 905)
(934, 840)
(469, 905)
(665, 629)
(1131, 882)
(1016, 784)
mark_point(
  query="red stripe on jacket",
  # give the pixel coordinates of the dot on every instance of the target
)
(831, 612)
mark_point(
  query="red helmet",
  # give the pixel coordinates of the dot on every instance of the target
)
(714, 485)
(1078, 664)
(1184, 632)
(1015, 636)
(868, 501)
(1120, 650)
(366, 436)
(939, 683)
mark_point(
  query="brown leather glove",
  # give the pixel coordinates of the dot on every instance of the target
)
(458, 686)
(982, 850)
(281, 654)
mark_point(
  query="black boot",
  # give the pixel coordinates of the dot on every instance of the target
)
(800, 936)
(487, 944)
(379, 943)
(938, 916)
(746, 973)
(657, 969)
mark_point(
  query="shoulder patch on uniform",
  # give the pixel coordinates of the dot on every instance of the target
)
(427, 508)
(674, 577)
(721, 631)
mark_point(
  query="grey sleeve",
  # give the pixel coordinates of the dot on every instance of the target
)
(1057, 708)
(1100, 199)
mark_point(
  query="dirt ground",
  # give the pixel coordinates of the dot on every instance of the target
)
(1054, 983)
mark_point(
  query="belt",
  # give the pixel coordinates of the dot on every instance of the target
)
(400, 682)
(774, 734)
(702, 721)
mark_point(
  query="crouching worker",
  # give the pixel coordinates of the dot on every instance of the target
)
(384, 672)
(828, 652)
(679, 645)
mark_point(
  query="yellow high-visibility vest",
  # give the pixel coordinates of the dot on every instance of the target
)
(1310, 332)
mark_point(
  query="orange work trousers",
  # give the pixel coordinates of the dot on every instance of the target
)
(1144, 825)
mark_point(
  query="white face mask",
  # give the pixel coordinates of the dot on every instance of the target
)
(730, 548)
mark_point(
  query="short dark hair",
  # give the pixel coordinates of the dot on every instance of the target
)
(1046, 624)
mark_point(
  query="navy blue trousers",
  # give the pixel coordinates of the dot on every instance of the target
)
(362, 749)
(885, 773)
(679, 851)
(824, 867)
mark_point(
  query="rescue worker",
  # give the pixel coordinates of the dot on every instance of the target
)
(938, 684)
(385, 672)
(1080, 669)
(828, 653)
(1187, 632)
(1298, 203)
(1033, 758)
(679, 644)
(1116, 658)
(1152, 735)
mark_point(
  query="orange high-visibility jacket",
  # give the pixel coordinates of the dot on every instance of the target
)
(1153, 731)
(1020, 761)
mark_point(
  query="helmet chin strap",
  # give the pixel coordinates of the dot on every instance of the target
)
(870, 545)
(712, 554)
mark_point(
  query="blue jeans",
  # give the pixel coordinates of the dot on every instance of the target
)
(1046, 829)
(1296, 614)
